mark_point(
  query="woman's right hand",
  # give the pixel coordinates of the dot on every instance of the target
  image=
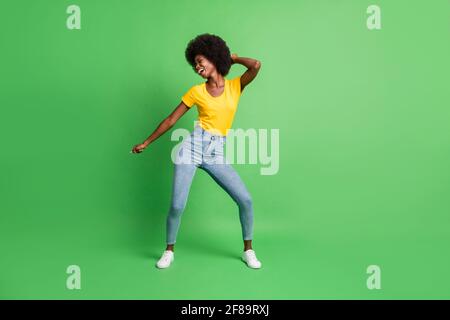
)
(139, 148)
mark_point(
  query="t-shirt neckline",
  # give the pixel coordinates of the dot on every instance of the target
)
(223, 92)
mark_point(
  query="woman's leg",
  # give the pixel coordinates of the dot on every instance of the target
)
(227, 177)
(182, 180)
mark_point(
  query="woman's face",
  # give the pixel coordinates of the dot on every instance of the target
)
(203, 66)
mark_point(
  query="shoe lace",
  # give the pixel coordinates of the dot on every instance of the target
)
(166, 256)
(251, 255)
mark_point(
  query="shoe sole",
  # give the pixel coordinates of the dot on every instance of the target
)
(250, 266)
(171, 261)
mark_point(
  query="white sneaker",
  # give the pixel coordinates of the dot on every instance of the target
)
(165, 260)
(249, 257)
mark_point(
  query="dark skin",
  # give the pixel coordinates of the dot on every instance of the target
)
(214, 85)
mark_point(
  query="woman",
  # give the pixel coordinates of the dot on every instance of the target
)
(217, 101)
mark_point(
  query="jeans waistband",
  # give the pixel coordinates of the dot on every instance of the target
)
(206, 135)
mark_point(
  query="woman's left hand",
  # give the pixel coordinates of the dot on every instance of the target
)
(233, 56)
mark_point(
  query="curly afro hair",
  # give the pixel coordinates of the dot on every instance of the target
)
(213, 48)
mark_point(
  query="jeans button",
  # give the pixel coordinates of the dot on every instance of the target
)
(213, 137)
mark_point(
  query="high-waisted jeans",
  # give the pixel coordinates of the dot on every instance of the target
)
(204, 150)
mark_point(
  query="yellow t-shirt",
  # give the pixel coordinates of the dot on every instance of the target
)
(215, 114)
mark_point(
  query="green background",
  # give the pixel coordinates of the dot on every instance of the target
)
(364, 150)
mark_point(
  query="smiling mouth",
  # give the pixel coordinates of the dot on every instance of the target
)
(201, 71)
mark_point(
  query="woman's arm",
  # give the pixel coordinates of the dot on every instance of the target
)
(165, 125)
(252, 65)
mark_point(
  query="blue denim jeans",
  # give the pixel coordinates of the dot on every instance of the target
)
(204, 150)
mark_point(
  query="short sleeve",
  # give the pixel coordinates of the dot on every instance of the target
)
(189, 97)
(236, 85)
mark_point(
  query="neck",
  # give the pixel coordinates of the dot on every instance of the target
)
(216, 80)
